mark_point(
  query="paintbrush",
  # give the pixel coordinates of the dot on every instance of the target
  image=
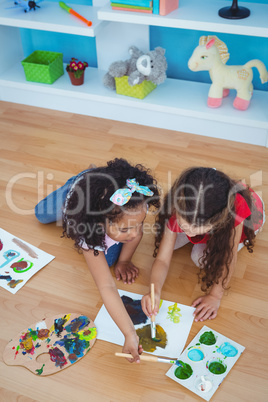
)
(147, 358)
(153, 327)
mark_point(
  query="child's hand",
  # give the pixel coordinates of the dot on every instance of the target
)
(206, 307)
(132, 346)
(147, 305)
(126, 271)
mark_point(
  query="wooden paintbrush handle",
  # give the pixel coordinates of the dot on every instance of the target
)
(142, 357)
(152, 301)
(152, 295)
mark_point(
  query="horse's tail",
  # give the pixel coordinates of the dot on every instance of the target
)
(261, 68)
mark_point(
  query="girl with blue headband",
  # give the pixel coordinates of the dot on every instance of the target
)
(103, 210)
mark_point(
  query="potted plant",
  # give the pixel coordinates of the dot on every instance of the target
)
(76, 70)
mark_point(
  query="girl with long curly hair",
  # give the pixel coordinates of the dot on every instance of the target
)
(103, 210)
(218, 215)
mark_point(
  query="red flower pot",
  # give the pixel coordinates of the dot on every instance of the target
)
(74, 80)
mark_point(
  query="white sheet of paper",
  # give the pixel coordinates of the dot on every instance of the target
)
(15, 251)
(177, 332)
(224, 351)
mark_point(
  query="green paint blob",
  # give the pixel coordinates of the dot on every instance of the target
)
(184, 371)
(217, 368)
(207, 338)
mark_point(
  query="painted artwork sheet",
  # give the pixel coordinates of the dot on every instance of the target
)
(173, 324)
(19, 261)
(205, 362)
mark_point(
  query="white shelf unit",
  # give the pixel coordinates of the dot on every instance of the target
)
(51, 17)
(176, 105)
(198, 15)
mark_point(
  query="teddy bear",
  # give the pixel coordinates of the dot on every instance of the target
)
(141, 66)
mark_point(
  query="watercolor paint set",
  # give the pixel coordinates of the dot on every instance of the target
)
(205, 363)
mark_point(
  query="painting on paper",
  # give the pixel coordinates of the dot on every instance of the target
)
(173, 324)
(205, 362)
(19, 261)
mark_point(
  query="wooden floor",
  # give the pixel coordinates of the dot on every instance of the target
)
(47, 147)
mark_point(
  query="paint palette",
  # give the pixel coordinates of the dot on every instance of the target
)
(61, 341)
(205, 362)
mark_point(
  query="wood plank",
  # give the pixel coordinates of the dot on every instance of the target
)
(59, 145)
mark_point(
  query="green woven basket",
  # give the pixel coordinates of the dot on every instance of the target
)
(136, 91)
(42, 66)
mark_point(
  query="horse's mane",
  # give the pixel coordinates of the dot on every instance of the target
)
(221, 46)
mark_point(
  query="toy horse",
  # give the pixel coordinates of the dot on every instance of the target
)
(211, 55)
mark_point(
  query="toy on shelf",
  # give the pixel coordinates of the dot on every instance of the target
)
(139, 68)
(211, 55)
(26, 5)
(74, 13)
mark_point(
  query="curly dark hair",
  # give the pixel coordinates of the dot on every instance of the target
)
(206, 196)
(88, 206)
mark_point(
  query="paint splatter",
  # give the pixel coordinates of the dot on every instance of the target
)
(40, 371)
(134, 310)
(1, 245)
(9, 256)
(26, 343)
(17, 351)
(58, 325)
(77, 324)
(13, 283)
(174, 313)
(184, 371)
(43, 334)
(227, 350)
(88, 334)
(19, 265)
(207, 338)
(148, 344)
(74, 346)
(57, 356)
(6, 277)
(25, 247)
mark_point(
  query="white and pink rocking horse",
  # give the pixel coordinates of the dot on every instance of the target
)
(211, 55)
